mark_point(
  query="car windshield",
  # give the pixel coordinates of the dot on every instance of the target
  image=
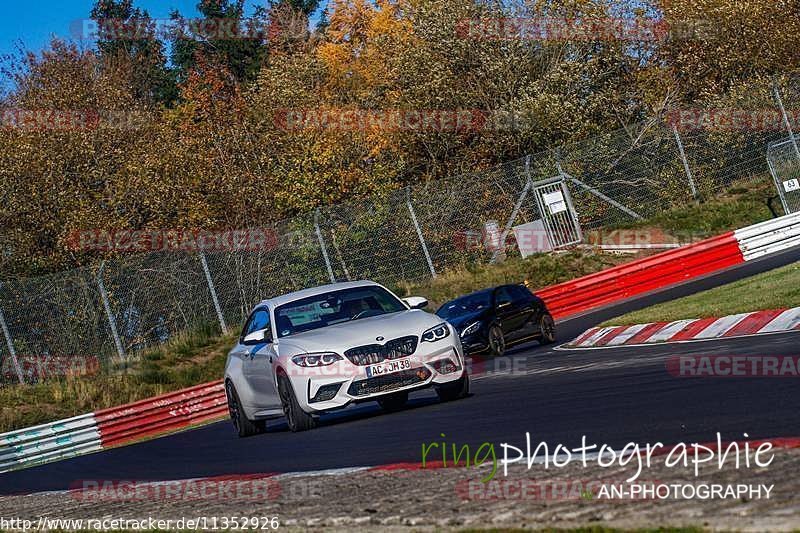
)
(465, 305)
(335, 307)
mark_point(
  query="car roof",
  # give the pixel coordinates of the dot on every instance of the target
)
(482, 291)
(315, 291)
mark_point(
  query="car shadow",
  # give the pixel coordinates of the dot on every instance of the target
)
(364, 411)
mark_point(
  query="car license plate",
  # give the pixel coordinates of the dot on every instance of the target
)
(389, 367)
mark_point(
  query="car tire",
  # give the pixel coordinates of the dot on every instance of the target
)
(455, 390)
(497, 341)
(393, 402)
(296, 418)
(243, 425)
(547, 327)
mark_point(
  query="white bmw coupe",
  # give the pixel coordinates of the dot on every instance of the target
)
(321, 349)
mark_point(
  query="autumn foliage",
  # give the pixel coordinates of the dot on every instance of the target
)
(193, 142)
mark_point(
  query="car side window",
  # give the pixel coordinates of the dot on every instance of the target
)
(258, 320)
(521, 295)
(502, 296)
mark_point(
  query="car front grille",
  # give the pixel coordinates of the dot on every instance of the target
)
(378, 353)
(406, 378)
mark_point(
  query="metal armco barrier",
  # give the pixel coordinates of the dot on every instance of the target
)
(669, 268)
(162, 414)
(769, 237)
(112, 427)
(49, 442)
(638, 277)
(207, 402)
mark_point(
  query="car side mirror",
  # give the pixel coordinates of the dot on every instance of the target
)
(258, 337)
(416, 302)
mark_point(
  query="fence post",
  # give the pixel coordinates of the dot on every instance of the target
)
(419, 233)
(323, 247)
(10, 345)
(685, 161)
(109, 314)
(515, 212)
(213, 292)
(340, 256)
(786, 120)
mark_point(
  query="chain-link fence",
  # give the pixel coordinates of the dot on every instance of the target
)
(106, 314)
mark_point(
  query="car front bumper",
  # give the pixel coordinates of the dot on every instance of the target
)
(329, 388)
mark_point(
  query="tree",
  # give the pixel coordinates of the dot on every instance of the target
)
(222, 35)
(128, 34)
(714, 45)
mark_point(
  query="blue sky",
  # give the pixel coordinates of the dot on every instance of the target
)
(34, 22)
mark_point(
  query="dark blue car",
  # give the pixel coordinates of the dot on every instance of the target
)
(491, 320)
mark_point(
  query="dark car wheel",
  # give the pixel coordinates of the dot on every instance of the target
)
(243, 425)
(497, 342)
(548, 328)
(455, 390)
(393, 402)
(296, 418)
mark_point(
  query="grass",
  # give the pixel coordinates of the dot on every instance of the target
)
(738, 207)
(776, 289)
(199, 356)
(540, 270)
(188, 359)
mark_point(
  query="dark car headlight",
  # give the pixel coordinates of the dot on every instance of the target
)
(436, 333)
(472, 328)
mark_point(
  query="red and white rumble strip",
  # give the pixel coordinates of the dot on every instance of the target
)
(742, 325)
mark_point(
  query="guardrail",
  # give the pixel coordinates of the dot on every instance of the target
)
(641, 276)
(49, 442)
(204, 403)
(162, 414)
(769, 237)
(112, 427)
(669, 268)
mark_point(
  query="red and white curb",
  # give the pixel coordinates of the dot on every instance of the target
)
(741, 325)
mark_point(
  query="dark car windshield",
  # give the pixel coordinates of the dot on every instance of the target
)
(335, 307)
(465, 305)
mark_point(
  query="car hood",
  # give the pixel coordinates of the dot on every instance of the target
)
(461, 321)
(342, 337)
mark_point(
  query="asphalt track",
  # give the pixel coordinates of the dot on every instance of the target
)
(612, 396)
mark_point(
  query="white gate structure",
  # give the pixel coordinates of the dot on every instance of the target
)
(558, 212)
(783, 158)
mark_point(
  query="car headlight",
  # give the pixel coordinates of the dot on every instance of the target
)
(316, 359)
(436, 333)
(472, 328)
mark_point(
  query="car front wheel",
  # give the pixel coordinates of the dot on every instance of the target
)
(243, 425)
(296, 418)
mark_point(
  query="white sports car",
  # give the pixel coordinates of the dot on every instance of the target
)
(321, 349)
